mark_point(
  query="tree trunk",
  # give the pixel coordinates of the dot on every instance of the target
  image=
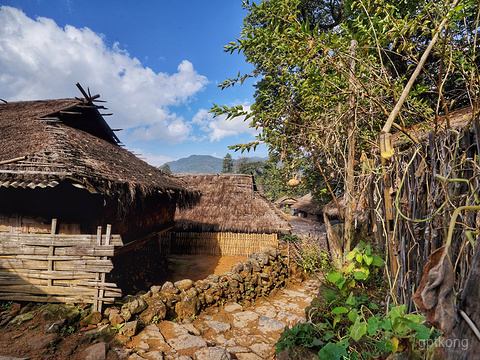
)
(334, 243)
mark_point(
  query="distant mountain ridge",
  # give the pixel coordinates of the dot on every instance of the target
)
(195, 164)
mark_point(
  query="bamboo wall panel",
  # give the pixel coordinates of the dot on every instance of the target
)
(58, 268)
(236, 244)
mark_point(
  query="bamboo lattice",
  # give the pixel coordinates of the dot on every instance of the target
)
(58, 268)
(208, 243)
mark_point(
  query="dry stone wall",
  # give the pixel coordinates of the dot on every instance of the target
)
(260, 275)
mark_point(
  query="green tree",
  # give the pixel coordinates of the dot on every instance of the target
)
(317, 96)
(166, 168)
(227, 165)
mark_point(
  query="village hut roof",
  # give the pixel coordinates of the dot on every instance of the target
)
(49, 141)
(229, 203)
(457, 119)
(285, 200)
(307, 205)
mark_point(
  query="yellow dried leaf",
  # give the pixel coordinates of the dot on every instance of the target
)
(388, 153)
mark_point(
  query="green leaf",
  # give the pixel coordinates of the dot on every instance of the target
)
(334, 276)
(377, 261)
(373, 325)
(340, 310)
(368, 259)
(359, 275)
(358, 329)
(351, 299)
(341, 282)
(353, 315)
(359, 258)
(350, 255)
(423, 333)
(332, 351)
(350, 268)
(327, 335)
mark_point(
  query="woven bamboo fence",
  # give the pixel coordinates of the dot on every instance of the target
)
(208, 243)
(427, 183)
(58, 268)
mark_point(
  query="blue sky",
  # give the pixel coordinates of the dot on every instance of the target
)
(156, 63)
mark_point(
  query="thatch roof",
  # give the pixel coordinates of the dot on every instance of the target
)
(229, 203)
(285, 200)
(307, 205)
(46, 142)
(458, 119)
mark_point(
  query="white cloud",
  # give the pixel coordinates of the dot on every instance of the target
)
(39, 60)
(219, 128)
(155, 160)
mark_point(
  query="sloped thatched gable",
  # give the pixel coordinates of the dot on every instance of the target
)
(229, 202)
(65, 145)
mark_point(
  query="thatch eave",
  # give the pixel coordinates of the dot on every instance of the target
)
(52, 141)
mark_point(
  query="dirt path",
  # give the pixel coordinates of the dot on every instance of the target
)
(197, 267)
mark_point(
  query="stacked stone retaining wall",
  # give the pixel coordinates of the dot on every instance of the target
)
(260, 275)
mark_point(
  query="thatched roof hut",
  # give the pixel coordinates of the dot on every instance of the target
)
(229, 202)
(232, 218)
(59, 158)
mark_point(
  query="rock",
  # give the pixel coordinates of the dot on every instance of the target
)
(93, 318)
(272, 253)
(60, 311)
(242, 319)
(187, 342)
(20, 319)
(116, 319)
(184, 285)
(261, 258)
(237, 349)
(169, 288)
(191, 329)
(130, 328)
(187, 307)
(213, 353)
(97, 351)
(202, 284)
(218, 326)
(125, 313)
(151, 332)
(154, 355)
(248, 356)
(135, 357)
(233, 307)
(155, 289)
(266, 324)
(262, 349)
(123, 354)
(54, 327)
(156, 310)
(43, 342)
(146, 295)
(237, 268)
(135, 305)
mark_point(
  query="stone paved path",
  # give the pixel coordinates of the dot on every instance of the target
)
(228, 332)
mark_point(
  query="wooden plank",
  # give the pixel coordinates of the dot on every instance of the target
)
(96, 303)
(81, 265)
(37, 298)
(37, 274)
(47, 290)
(82, 250)
(57, 240)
